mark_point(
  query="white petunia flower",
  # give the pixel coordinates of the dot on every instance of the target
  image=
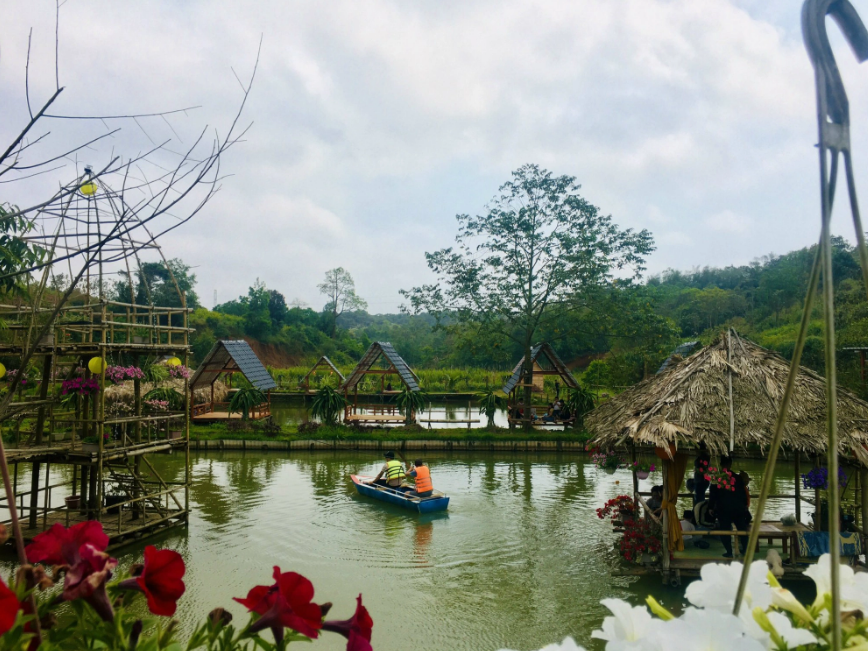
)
(792, 636)
(718, 586)
(629, 623)
(569, 644)
(786, 600)
(699, 630)
(854, 587)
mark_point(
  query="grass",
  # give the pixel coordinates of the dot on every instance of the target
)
(219, 431)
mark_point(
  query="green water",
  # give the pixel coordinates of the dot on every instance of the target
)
(520, 559)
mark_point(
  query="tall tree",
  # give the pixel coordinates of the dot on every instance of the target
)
(540, 251)
(340, 288)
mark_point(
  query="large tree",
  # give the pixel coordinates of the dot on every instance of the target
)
(340, 288)
(540, 251)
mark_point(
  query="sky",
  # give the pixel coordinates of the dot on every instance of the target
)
(375, 122)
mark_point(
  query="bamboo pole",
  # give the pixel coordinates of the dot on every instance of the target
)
(798, 472)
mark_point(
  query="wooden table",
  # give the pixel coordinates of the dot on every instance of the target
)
(773, 530)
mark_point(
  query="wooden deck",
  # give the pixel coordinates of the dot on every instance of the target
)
(217, 416)
(120, 528)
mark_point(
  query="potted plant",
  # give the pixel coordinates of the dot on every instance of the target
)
(113, 500)
(621, 508)
(818, 480)
(90, 444)
(643, 468)
(73, 502)
(606, 460)
(715, 476)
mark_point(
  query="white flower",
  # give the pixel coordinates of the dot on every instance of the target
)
(854, 587)
(569, 644)
(629, 623)
(718, 586)
(786, 600)
(699, 630)
(792, 636)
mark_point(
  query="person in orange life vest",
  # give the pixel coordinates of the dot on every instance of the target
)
(422, 474)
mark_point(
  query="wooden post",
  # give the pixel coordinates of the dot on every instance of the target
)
(863, 482)
(84, 490)
(797, 463)
(33, 513)
(665, 514)
(43, 395)
(633, 468)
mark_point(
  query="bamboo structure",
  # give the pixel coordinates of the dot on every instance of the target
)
(545, 363)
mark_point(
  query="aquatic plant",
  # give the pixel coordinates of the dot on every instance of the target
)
(244, 400)
(327, 405)
(94, 609)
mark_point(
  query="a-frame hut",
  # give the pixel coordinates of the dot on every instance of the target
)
(381, 359)
(545, 363)
(230, 357)
(726, 396)
(322, 363)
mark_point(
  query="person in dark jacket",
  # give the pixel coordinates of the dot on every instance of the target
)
(700, 465)
(730, 507)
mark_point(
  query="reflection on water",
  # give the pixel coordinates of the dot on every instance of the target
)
(293, 412)
(519, 560)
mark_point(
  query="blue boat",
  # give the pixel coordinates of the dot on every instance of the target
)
(437, 502)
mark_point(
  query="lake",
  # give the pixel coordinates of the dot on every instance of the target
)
(519, 560)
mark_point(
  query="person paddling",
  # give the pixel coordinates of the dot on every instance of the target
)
(392, 472)
(422, 474)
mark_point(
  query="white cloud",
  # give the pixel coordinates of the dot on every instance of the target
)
(727, 221)
(376, 121)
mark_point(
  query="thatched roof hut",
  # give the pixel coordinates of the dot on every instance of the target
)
(689, 402)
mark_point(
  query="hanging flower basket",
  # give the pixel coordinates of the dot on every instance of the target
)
(643, 469)
(642, 474)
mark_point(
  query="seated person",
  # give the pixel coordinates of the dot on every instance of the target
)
(556, 409)
(655, 502)
(422, 474)
(392, 472)
(688, 523)
(549, 416)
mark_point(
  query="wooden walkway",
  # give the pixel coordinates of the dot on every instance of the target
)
(120, 528)
(218, 416)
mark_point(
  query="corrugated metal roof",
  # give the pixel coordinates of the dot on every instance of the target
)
(682, 349)
(538, 351)
(322, 360)
(232, 355)
(386, 350)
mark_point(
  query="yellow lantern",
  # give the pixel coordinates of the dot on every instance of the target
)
(88, 189)
(2, 370)
(96, 365)
(173, 361)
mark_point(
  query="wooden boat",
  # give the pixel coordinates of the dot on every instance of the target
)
(437, 502)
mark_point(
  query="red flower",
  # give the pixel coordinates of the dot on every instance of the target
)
(61, 546)
(87, 578)
(160, 580)
(9, 607)
(287, 603)
(357, 629)
(80, 548)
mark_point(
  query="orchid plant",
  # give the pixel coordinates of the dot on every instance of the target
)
(94, 609)
(770, 617)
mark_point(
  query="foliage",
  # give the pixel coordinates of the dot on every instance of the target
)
(94, 609)
(643, 466)
(489, 402)
(541, 253)
(410, 403)
(719, 477)
(16, 253)
(606, 459)
(244, 400)
(619, 508)
(579, 402)
(327, 405)
(340, 289)
(154, 284)
(172, 398)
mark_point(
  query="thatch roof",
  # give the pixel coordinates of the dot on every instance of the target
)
(689, 403)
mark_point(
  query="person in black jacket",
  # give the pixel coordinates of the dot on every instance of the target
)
(730, 507)
(700, 467)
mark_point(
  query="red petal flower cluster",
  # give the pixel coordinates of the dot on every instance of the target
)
(81, 550)
(639, 538)
(357, 629)
(286, 604)
(9, 607)
(160, 580)
(622, 507)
